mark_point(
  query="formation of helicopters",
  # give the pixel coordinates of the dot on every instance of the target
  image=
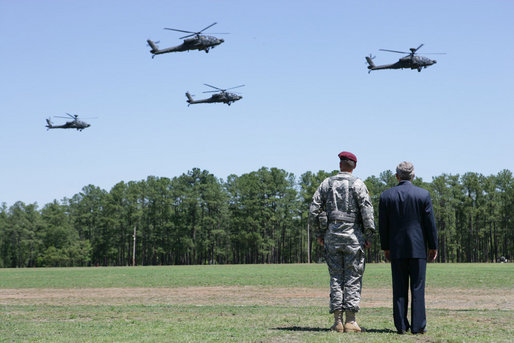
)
(410, 61)
(201, 42)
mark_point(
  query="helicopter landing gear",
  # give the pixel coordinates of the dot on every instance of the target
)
(419, 70)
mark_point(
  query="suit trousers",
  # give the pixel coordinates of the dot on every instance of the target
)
(403, 271)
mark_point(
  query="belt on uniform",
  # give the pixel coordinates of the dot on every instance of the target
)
(344, 218)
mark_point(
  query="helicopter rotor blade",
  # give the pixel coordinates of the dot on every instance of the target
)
(418, 48)
(207, 27)
(400, 52)
(167, 28)
(73, 116)
(235, 87)
(191, 35)
(214, 87)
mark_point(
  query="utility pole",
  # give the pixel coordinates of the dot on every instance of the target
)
(308, 243)
(134, 249)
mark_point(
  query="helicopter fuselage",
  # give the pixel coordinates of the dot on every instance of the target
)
(407, 62)
(200, 42)
(223, 97)
(74, 124)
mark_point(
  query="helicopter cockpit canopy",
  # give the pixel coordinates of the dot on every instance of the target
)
(211, 39)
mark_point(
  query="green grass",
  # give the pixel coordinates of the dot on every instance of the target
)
(190, 322)
(470, 275)
(179, 323)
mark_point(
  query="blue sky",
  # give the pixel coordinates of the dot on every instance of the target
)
(307, 97)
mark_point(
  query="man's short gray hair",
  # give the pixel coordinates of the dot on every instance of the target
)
(405, 171)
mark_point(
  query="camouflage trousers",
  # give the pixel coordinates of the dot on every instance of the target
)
(346, 267)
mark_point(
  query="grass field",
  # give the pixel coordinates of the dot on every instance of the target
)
(243, 303)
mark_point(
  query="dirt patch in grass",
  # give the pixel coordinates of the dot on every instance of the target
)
(443, 298)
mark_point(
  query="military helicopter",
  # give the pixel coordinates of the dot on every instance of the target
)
(411, 61)
(72, 124)
(199, 42)
(222, 96)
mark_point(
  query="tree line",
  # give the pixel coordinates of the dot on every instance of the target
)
(258, 217)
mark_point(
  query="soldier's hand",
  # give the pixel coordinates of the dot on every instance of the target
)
(321, 241)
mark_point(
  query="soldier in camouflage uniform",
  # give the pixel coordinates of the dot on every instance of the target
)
(341, 214)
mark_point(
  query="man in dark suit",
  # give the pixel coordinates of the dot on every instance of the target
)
(407, 228)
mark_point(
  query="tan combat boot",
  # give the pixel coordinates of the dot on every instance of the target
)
(338, 322)
(350, 325)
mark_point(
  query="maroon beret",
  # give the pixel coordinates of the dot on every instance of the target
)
(348, 156)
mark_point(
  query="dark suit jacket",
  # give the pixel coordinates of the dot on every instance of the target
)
(406, 221)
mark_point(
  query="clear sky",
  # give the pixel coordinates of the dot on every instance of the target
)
(308, 94)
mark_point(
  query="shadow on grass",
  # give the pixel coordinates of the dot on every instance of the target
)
(309, 329)
(300, 328)
(378, 330)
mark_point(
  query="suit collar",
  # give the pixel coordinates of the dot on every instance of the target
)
(404, 182)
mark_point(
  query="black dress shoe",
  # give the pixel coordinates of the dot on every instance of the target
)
(401, 332)
(422, 332)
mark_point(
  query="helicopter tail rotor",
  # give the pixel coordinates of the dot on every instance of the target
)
(189, 97)
(370, 59)
(152, 45)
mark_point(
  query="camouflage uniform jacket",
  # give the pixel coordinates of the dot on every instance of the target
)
(343, 199)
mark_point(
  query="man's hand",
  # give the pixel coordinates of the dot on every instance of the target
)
(321, 241)
(367, 244)
(432, 254)
(387, 254)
